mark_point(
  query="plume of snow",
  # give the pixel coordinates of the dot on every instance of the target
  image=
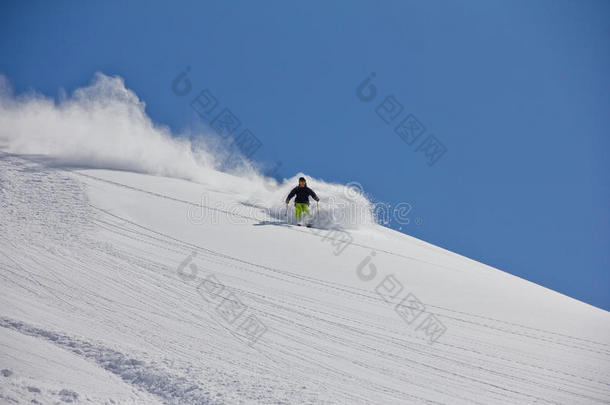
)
(105, 125)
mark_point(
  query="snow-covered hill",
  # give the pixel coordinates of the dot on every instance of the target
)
(165, 280)
(123, 287)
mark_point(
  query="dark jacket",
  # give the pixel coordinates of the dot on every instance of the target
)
(302, 195)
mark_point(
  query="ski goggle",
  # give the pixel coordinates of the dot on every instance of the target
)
(302, 182)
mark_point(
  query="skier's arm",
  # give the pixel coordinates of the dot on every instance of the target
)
(313, 195)
(292, 193)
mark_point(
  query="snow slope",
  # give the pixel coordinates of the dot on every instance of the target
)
(165, 280)
(123, 287)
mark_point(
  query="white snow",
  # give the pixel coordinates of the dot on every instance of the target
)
(133, 271)
(40, 370)
(102, 299)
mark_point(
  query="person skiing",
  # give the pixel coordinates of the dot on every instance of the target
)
(301, 201)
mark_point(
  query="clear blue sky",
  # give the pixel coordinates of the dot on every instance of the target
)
(518, 92)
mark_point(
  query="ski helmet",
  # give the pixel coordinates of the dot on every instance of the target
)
(302, 179)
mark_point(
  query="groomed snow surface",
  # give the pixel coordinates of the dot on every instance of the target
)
(118, 287)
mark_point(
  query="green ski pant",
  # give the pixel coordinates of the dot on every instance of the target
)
(301, 208)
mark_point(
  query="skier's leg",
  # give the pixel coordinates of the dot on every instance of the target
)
(307, 216)
(298, 207)
(301, 208)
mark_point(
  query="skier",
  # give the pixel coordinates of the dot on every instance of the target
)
(301, 202)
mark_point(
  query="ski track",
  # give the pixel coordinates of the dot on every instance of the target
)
(171, 388)
(105, 288)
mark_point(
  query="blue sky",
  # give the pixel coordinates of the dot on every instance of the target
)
(517, 91)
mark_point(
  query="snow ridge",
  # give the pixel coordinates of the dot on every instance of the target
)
(173, 389)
